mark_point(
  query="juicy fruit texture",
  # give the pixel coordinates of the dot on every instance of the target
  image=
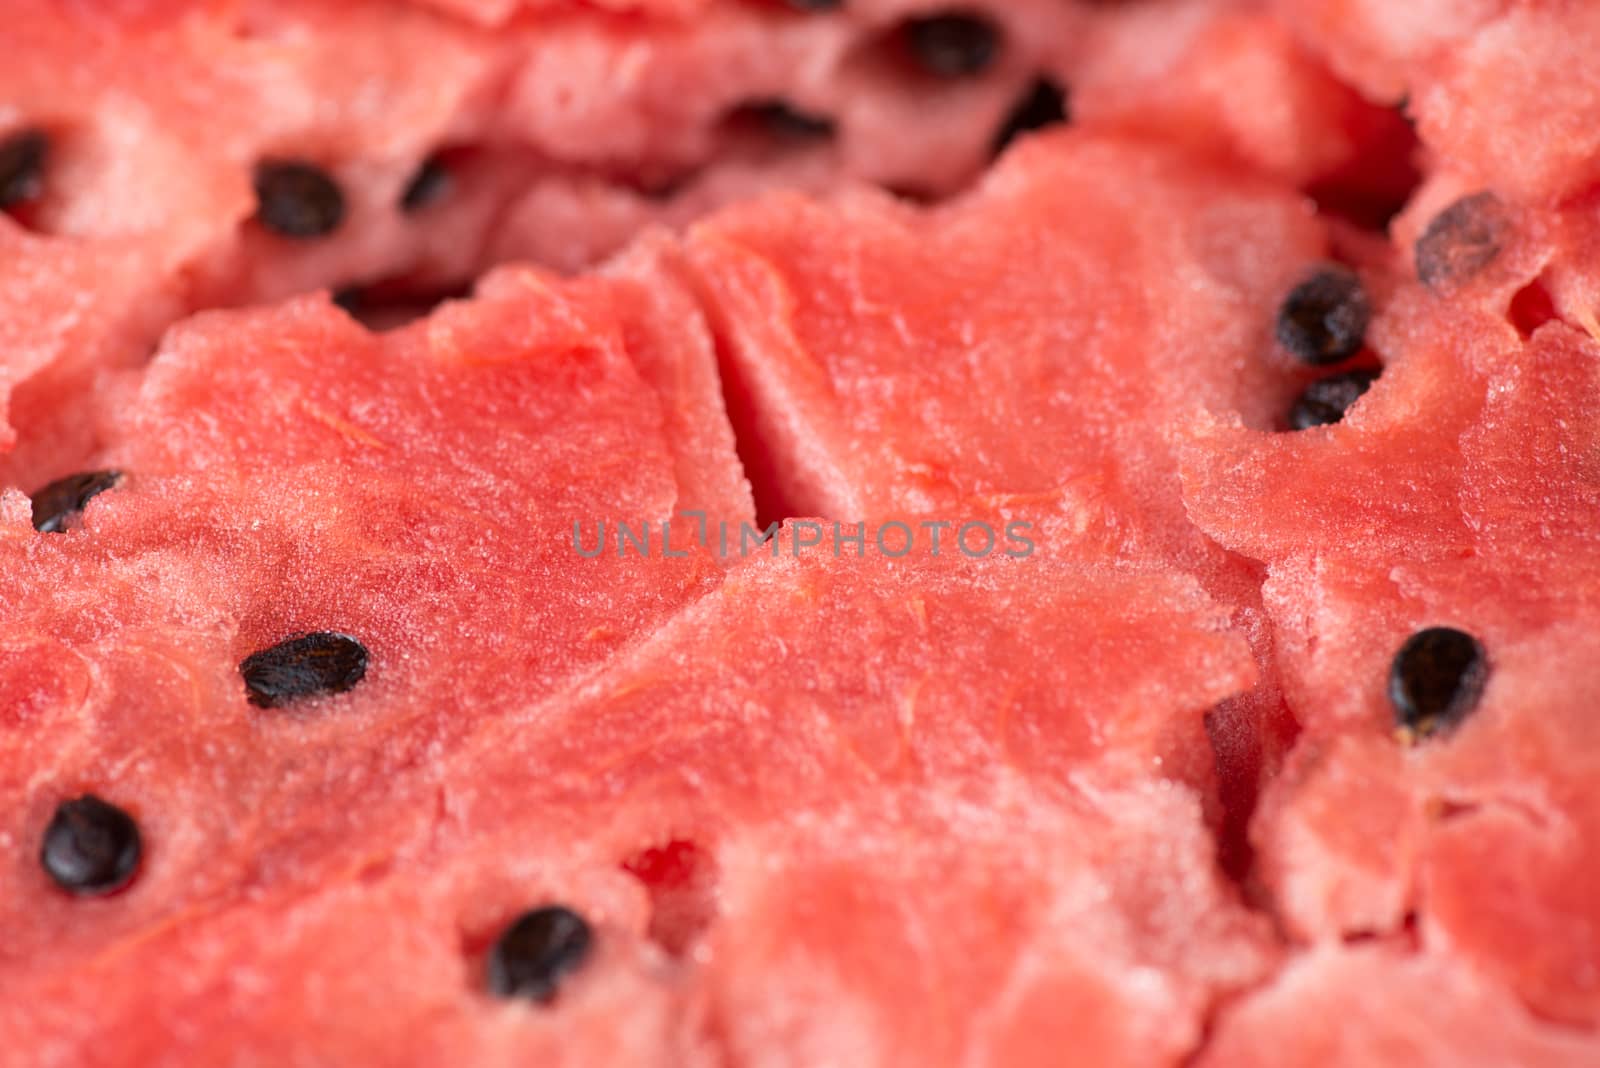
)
(1413, 1010)
(317, 477)
(863, 410)
(550, 156)
(319, 715)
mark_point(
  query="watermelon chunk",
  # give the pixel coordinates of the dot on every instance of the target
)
(1407, 1005)
(452, 459)
(679, 754)
(821, 359)
(328, 741)
(1497, 542)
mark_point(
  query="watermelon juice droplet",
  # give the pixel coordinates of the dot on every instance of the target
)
(537, 951)
(1324, 319)
(298, 200)
(91, 847)
(1436, 680)
(304, 666)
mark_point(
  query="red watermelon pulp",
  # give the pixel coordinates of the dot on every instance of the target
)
(799, 533)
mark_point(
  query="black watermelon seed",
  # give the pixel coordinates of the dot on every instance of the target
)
(1436, 680)
(1461, 240)
(91, 847)
(953, 45)
(55, 505)
(297, 199)
(307, 665)
(1044, 104)
(350, 299)
(782, 120)
(429, 184)
(22, 160)
(532, 956)
(1325, 401)
(1324, 319)
(815, 5)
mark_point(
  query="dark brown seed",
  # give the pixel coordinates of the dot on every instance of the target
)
(1043, 105)
(1325, 401)
(815, 5)
(57, 504)
(953, 45)
(350, 299)
(1461, 240)
(297, 199)
(781, 120)
(1436, 680)
(22, 161)
(1324, 319)
(429, 184)
(537, 951)
(307, 665)
(91, 847)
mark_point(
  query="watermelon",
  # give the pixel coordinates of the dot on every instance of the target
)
(783, 532)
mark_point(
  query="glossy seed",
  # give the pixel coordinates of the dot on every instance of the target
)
(1043, 105)
(537, 951)
(22, 159)
(297, 199)
(307, 665)
(55, 505)
(1436, 680)
(1461, 240)
(1325, 401)
(91, 847)
(429, 184)
(815, 5)
(953, 45)
(1324, 319)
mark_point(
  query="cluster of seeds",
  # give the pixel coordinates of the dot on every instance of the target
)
(93, 848)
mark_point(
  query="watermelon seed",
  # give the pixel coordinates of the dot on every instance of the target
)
(56, 504)
(815, 5)
(429, 184)
(1325, 401)
(306, 665)
(1043, 105)
(1324, 319)
(297, 199)
(538, 949)
(91, 847)
(349, 299)
(782, 120)
(22, 160)
(953, 45)
(1436, 680)
(1461, 240)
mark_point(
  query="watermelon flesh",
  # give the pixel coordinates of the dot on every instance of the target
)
(547, 156)
(1133, 797)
